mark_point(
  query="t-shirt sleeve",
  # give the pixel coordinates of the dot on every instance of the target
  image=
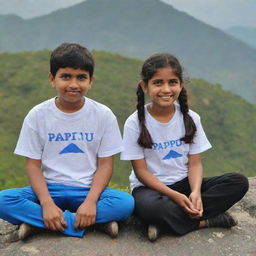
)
(29, 143)
(200, 141)
(111, 142)
(132, 150)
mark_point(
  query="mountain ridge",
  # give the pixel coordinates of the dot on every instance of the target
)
(245, 34)
(139, 28)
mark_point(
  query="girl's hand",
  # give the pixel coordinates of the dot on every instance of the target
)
(53, 217)
(185, 204)
(196, 200)
(85, 215)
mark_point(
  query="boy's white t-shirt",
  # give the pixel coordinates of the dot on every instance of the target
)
(168, 157)
(69, 144)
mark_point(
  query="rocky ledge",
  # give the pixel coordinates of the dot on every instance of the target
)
(238, 241)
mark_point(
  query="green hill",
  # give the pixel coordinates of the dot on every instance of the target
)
(229, 120)
(138, 28)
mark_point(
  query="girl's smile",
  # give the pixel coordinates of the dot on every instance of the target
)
(163, 88)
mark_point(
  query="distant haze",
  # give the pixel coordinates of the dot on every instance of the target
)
(138, 28)
(219, 13)
(33, 8)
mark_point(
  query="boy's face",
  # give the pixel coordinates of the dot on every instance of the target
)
(71, 85)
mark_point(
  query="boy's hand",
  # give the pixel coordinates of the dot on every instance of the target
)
(185, 204)
(85, 215)
(53, 217)
(196, 200)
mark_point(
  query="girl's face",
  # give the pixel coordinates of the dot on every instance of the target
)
(163, 88)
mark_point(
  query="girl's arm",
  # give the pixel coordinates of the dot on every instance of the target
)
(86, 213)
(53, 215)
(149, 180)
(195, 176)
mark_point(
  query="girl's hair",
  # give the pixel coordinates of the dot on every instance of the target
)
(149, 68)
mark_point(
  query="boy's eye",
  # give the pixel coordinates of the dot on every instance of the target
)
(65, 76)
(82, 77)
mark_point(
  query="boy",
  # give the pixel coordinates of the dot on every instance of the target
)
(69, 142)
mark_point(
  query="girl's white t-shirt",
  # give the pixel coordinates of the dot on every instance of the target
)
(168, 157)
(69, 144)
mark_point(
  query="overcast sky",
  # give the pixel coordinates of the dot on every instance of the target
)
(33, 8)
(219, 13)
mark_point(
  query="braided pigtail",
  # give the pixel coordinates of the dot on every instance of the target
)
(190, 127)
(144, 139)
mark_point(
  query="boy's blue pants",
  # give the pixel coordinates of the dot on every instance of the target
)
(21, 205)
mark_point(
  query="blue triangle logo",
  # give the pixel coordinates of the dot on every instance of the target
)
(172, 154)
(71, 148)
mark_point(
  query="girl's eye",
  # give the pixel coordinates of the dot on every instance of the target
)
(157, 82)
(174, 81)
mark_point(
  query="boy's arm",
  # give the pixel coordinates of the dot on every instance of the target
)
(53, 215)
(86, 213)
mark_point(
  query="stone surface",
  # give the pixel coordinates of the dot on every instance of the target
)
(238, 241)
(7, 228)
(249, 201)
(8, 233)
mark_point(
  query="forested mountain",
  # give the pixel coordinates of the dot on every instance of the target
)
(229, 121)
(139, 28)
(245, 34)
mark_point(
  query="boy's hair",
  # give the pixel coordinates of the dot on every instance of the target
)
(149, 68)
(71, 55)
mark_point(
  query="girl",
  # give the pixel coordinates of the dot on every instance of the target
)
(164, 140)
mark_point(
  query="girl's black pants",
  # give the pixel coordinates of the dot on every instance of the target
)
(218, 195)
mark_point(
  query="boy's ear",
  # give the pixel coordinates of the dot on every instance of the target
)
(91, 81)
(143, 86)
(51, 79)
